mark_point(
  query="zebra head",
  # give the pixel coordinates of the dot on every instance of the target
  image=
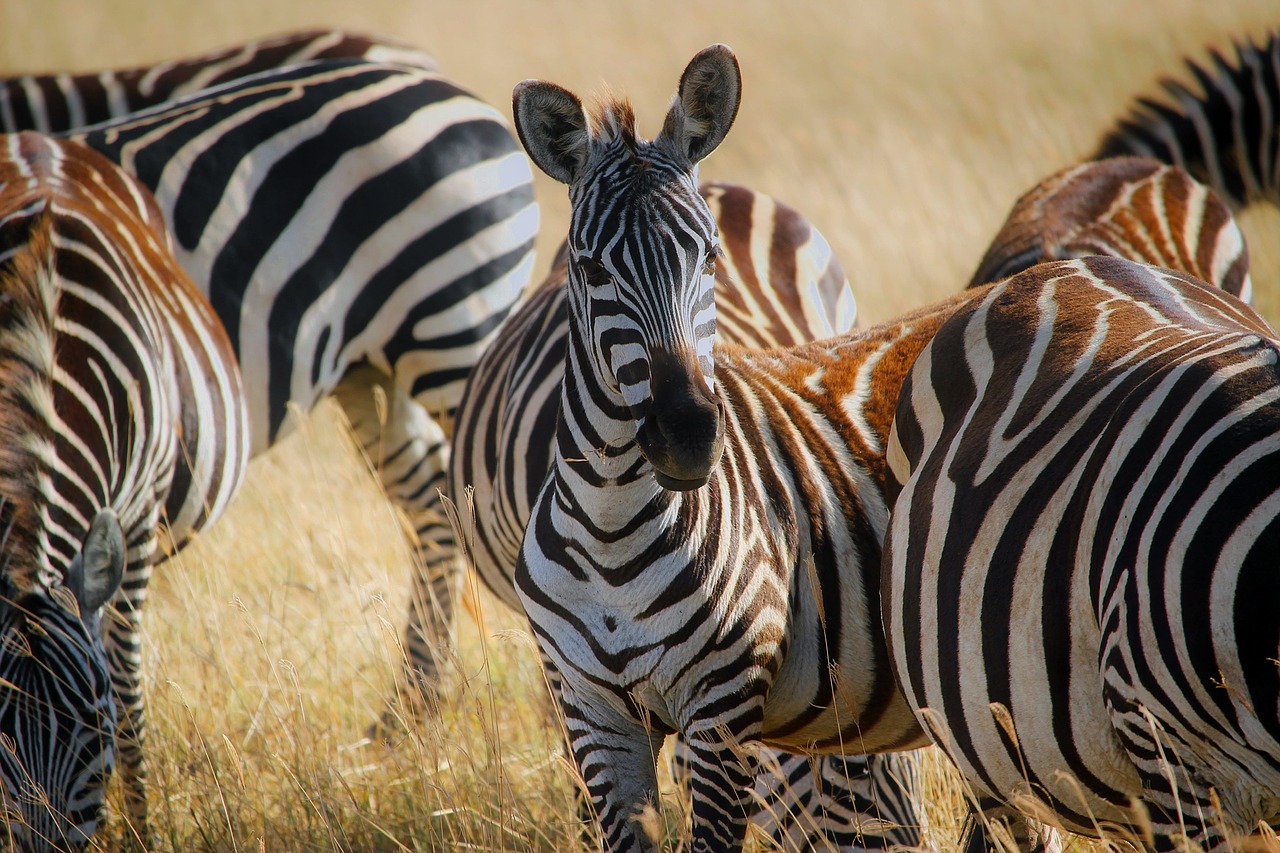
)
(642, 245)
(57, 714)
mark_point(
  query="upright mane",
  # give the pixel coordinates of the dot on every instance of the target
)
(27, 304)
(613, 119)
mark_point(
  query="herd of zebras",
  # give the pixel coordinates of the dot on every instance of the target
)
(1036, 524)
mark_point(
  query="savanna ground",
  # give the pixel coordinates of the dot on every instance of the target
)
(904, 130)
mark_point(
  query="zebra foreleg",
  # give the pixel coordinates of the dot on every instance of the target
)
(409, 451)
(993, 827)
(122, 641)
(722, 771)
(617, 758)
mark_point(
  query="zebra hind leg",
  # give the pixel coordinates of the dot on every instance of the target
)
(408, 449)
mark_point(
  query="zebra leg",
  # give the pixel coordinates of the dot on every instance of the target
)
(993, 827)
(618, 759)
(843, 802)
(122, 642)
(721, 779)
(409, 451)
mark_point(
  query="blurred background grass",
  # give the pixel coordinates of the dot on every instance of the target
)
(903, 130)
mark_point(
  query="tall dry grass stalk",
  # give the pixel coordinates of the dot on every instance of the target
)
(905, 131)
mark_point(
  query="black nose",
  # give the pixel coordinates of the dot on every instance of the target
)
(683, 432)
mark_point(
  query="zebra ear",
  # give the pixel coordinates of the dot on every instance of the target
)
(97, 571)
(706, 103)
(552, 127)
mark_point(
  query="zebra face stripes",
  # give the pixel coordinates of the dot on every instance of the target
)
(642, 248)
(124, 420)
(1080, 572)
(57, 713)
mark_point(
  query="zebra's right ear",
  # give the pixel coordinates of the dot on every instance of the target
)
(552, 127)
(97, 571)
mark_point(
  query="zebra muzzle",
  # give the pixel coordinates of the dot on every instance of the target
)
(682, 435)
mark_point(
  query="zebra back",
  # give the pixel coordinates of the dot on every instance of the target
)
(1079, 575)
(124, 424)
(1226, 134)
(336, 213)
(62, 102)
(1127, 207)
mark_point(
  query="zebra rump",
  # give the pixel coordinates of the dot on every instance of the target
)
(1080, 578)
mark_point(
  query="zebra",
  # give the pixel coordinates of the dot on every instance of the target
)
(777, 283)
(59, 103)
(1079, 575)
(1129, 207)
(361, 229)
(702, 555)
(126, 430)
(1227, 136)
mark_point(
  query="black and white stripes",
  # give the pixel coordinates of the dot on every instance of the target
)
(125, 426)
(1080, 573)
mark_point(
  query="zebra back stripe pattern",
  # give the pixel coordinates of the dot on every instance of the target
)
(339, 184)
(1127, 207)
(59, 103)
(1227, 134)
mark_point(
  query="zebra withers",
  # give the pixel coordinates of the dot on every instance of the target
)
(1080, 578)
(777, 284)
(60, 103)
(125, 431)
(698, 558)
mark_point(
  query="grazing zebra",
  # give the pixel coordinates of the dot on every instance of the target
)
(777, 283)
(125, 431)
(361, 230)
(701, 557)
(57, 103)
(1128, 207)
(1080, 573)
(1227, 136)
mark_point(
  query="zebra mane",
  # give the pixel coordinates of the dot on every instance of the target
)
(27, 303)
(613, 119)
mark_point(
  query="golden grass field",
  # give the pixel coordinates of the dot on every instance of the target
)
(904, 130)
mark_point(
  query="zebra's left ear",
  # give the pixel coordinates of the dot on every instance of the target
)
(706, 103)
(97, 571)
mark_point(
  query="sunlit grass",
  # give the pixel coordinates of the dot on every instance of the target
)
(905, 131)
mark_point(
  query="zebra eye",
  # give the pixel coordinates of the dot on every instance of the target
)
(709, 265)
(594, 272)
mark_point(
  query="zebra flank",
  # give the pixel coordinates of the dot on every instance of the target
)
(361, 229)
(1126, 207)
(125, 431)
(1225, 134)
(59, 103)
(1080, 576)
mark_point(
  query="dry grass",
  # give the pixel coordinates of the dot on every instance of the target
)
(904, 130)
